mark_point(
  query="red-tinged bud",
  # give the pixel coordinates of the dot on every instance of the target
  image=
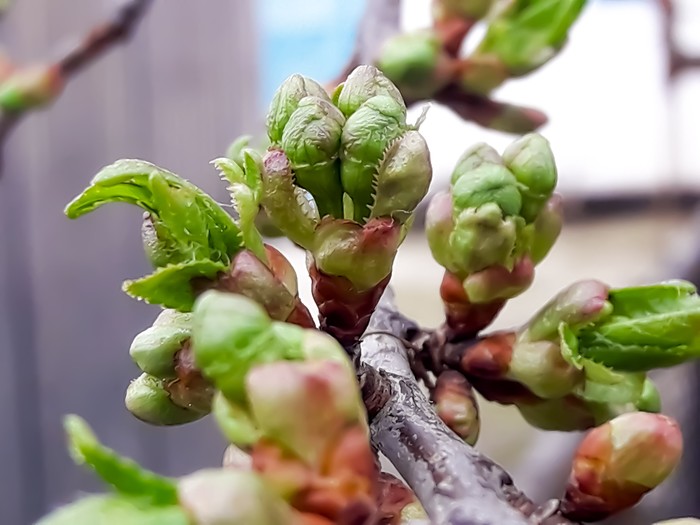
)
(31, 87)
(344, 311)
(489, 358)
(304, 407)
(497, 282)
(464, 318)
(456, 405)
(619, 462)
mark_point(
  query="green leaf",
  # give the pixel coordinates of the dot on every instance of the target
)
(235, 151)
(190, 224)
(115, 510)
(171, 286)
(650, 327)
(127, 477)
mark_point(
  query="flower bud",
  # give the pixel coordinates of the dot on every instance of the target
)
(304, 406)
(236, 458)
(235, 422)
(149, 400)
(362, 254)
(487, 184)
(547, 227)
(363, 83)
(231, 334)
(311, 140)
(617, 463)
(416, 63)
(403, 178)
(564, 414)
(231, 497)
(154, 349)
(497, 282)
(531, 160)
(578, 305)
(31, 87)
(367, 134)
(482, 74)
(456, 405)
(286, 100)
(473, 158)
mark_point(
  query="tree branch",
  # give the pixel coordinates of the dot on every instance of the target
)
(117, 29)
(455, 484)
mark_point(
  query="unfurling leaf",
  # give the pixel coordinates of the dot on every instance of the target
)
(172, 286)
(127, 477)
(115, 510)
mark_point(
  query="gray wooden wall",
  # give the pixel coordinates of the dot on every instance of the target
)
(177, 94)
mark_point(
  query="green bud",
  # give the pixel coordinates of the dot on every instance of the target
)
(367, 135)
(488, 183)
(115, 510)
(286, 100)
(620, 461)
(231, 334)
(565, 414)
(547, 227)
(284, 203)
(319, 346)
(650, 400)
(576, 306)
(473, 158)
(311, 140)
(363, 83)
(154, 349)
(304, 407)
(540, 366)
(415, 62)
(231, 497)
(148, 399)
(362, 254)
(235, 422)
(403, 178)
(531, 160)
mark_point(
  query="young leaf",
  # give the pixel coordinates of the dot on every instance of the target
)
(650, 327)
(115, 510)
(171, 286)
(127, 477)
(192, 225)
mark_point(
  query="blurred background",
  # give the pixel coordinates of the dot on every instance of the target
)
(196, 75)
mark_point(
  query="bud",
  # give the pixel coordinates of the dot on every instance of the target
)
(403, 178)
(235, 422)
(473, 158)
(237, 459)
(286, 100)
(650, 400)
(367, 135)
(488, 183)
(565, 414)
(497, 282)
(363, 83)
(231, 334)
(578, 305)
(311, 140)
(531, 160)
(362, 254)
(149, 400)
(482, 74)
(287, 208)
(154, 349)
(304, 407)
(464, 318)
(231, 497)
(31, 87)
(456, 405)
(619, 462)
(547, 227)
(416, 63)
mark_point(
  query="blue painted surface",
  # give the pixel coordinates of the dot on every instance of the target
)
(311, 37)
